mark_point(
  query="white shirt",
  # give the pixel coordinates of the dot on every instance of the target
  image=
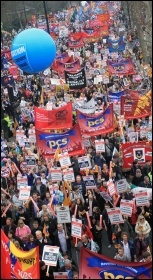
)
(127, 251)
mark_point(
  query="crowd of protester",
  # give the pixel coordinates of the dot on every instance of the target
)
(22, 223)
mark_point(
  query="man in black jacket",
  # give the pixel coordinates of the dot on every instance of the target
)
(22, 214)
(39, 188)
(36, 227)
(41, 241)
(49, 226)
(138, 178)
(9, 226)
(32, 209)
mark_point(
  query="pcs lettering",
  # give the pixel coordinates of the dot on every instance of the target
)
(95, 123)
(58, 143)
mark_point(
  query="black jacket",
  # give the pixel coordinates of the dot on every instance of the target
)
(42, 193)
(52, 228)
(137, 180)
(25, 215)
(94, 204)
(7, 228)
(33, 232)
(8, 215)
(68, 241)
(31, 208)
(42, 244)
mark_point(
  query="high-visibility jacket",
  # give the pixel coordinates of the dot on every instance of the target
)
(8, 121)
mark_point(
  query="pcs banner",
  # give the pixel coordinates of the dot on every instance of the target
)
(95, 266)
(141, 151)
(59, 118)
(93, 125)
(116, 45)
(17, 264)
(70, 141)
(125, 67)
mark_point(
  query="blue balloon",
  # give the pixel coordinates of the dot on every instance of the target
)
(33, 50)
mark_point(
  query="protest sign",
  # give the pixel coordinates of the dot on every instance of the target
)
(50, 255)
(32, 138)
(76, 228)
(141, 198)
(86, 142)
(115, 216)
(89, 182)
(64, 160)
(111, 188)
(24, 193)
(68, 175)
(31, 161)
(126, 207)
(100, 146)
(56, 174)
(60, 275)
(20, 134)
(21, 141)
(63, 214)
(76, 80)
(22, 182)
(148, 190)
(121, 186)
(106, 196)
(27, 144)
(5, 172)
(133, 137)
(84, 162)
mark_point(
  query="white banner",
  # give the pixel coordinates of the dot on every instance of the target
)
(148, 190)
(121, 186)
(63, 214)
(22, 182)
(141, 198)
(86, 108)
(32, 138)
(115, 216)
(84, 162)
(64, 160)
(89, 182)
(76, 228)
(68, 175)
(60, 275)
(100, 145)
(50, 255)
(126, 207)
(24, 193)
(31, 161)
(56, 174)
(111, 188)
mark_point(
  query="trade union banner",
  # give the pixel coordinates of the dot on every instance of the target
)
(116, 45)
(116, 96)
(125, 67)
(95, 266)
(59, 118)
(93, 125)
(70, 141)
(136, 108)
(141, 151)
(76, 80)
(17, 264)
(86, 107)
(76, 43)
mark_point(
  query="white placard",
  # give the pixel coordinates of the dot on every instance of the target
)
(24, 193)
(68, 175)
(63, 214)
(141, 198)
(133, 137)
(56, 174)
(32, 138)
(53, 188)
(84, 162)
(64, 160)
(126, 207)
(50, 255)
(76, 228)
(89, 182)
(121, 186)
(31, 161)
(22, 182)
(115, 216)
(148, 190)
(20, 134)
(60, 275)
(27, 144)
(139, 154)
(100, 145)
(111, 188)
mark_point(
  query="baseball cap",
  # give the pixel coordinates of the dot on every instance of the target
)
(20, 208)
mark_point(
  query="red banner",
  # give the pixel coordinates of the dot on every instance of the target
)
(13, 70)
(124, 67)
(93, 125)
(76, 43)
(17, 264)
(136, 108)
(95, 266)
(59, 118)
(71, 67)
(103, 17)
(70, 141)
(141, 151)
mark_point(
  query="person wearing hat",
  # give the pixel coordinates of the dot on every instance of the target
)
(68, 267)
(22, 214)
